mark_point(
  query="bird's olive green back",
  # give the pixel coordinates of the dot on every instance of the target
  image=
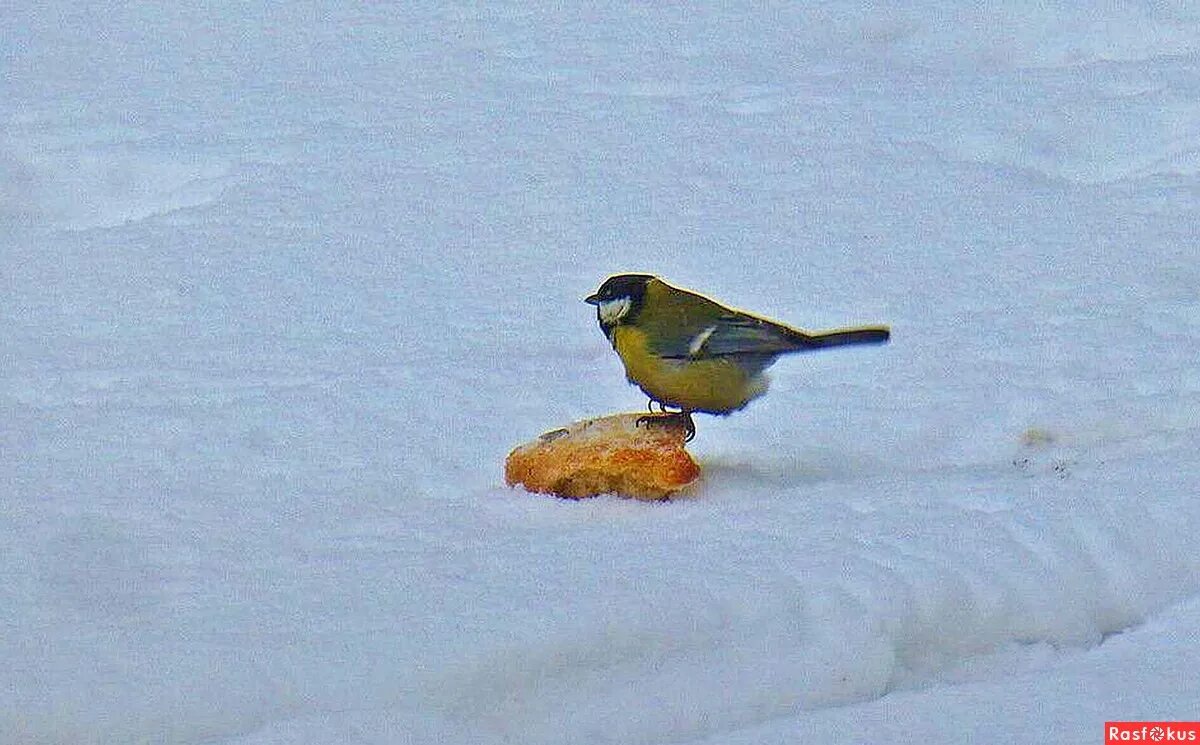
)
(672, 317)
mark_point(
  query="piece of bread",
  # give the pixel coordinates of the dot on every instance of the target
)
(609, 455)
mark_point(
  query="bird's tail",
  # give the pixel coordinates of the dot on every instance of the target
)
(842, 337)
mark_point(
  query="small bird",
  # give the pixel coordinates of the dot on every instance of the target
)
(695, 355)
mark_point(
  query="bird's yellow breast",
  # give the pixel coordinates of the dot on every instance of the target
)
(716, 386)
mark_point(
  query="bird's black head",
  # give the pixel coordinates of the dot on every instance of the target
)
(619, 299)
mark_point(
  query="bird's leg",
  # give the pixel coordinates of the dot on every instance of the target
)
(682, 417)
(689, 426)
(662, 409)
(650, 417)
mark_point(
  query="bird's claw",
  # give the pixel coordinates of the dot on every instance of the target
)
(683, 418)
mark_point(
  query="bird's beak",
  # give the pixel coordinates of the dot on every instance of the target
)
(592, 299)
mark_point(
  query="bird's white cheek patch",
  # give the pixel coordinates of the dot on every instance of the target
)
(612, 311)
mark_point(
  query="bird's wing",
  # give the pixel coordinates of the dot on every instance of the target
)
(740, 334)
(736, 335)
(689, 327)
(684, 325)
(733, 335)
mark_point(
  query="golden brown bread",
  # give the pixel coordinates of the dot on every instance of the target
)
(609, 455)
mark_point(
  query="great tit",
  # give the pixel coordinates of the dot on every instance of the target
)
(695, 355)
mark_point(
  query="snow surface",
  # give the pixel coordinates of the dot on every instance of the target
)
(283, 284)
